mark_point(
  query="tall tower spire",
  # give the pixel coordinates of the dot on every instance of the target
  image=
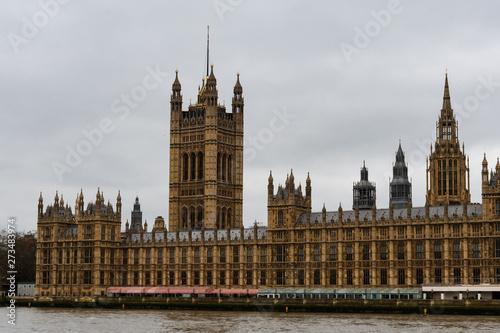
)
(448, 172)
(446, 96)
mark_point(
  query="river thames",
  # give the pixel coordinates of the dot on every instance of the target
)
(103, 320)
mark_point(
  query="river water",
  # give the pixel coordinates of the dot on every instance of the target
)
(102, 320)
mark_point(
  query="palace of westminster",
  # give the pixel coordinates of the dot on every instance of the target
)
(448, 241)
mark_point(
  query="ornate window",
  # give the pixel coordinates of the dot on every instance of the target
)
(348, 253)
(437, 250)
(456, 250)
(437, 275)
(419, 251)
(317, 253)
(300, 254)
(366, 252)
(383, 251)
(280, 218)
(476, 253)
(366, 276)
(333, 253)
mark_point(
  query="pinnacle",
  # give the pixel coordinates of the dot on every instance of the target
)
(446, 96)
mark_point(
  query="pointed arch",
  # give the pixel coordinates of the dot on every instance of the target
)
(223, 222)
(184, 217)
(193, 166)
(185, 167)
(201, 165)
(192, 217)
(229, 168)
(224, 166)
(199, 214)
(218, 218)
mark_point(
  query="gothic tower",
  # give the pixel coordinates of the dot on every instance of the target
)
(136, 216)
(206, 159)
(447, 172)
(363, 191)
(400, 187)
(289, 204)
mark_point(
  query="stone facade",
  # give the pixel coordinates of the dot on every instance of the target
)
(448, 241)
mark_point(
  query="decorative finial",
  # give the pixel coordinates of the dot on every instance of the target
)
(176, 70)
(212, 64)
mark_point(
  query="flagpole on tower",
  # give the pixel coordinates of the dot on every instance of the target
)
(208, 46)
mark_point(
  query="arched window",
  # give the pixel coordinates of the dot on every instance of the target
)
(218, 218)
(200, 165)
(223, 224)
(200, 216)
(192, 216)
(193, 166)
(185, 167)
(184, 217)
(280, 218)
(229, 219)
(224, 161)
(229, 167)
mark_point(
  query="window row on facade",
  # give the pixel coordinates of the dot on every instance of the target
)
(279, 277)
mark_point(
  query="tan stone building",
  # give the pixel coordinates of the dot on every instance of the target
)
(448, 241)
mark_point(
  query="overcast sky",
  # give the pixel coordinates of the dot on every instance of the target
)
(326, 86)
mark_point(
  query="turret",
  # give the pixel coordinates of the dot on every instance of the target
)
(136, 218)
(308, 189)
(323, 215)
(81, 204)
(340, 212)
(238, 102)
(291, 184)
(484, 171)
(98, 202)
(56, 204)
(119, 206)
(211, 88)
(176, 97)
(40, 205)
(400, 186)
(270, 186)
(363, 191)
